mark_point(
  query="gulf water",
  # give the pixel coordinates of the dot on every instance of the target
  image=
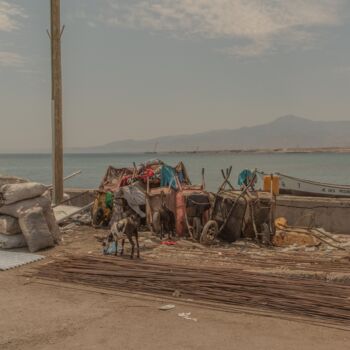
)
(325, 167)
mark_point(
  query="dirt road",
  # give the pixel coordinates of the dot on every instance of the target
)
(43, 316)
(36, 316)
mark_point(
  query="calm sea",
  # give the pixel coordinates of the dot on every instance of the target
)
(334, 168)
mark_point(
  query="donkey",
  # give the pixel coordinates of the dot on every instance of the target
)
(166, 218)
(127, 227)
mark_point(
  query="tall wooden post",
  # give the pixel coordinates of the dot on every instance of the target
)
(56, 72)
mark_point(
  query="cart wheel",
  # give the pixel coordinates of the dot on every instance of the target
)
(197, 228)
(156, 223)
(210, 231)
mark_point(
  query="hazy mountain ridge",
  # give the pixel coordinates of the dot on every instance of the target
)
(285, 132)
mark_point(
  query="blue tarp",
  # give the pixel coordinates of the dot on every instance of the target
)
(167, 177)
(245, 177)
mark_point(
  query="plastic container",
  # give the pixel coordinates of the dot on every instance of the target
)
(275, 180)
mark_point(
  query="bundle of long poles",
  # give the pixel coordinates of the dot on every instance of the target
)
(320, 300)
(243, 261)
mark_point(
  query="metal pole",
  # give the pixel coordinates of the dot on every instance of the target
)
(56, 72)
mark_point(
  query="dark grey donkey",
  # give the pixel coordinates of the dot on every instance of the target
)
(166, 218)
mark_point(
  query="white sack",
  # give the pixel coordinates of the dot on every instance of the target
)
(36, 230)
(4, 180)
(9, 225)
(18, 209)
(52, 224)
(13, 193)
(12, 242)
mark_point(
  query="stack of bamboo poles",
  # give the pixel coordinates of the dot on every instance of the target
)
(322, 301)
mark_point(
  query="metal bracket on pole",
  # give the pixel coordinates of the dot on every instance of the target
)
(62, 30)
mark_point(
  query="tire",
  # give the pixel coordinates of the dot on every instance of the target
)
(210, 232)
(156, 222)
(197, 228)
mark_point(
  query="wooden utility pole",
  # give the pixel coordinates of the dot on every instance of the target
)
(56, 72)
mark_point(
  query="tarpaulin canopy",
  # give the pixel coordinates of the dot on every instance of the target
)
(113, 178)
(135, 197)
(159, 174)
(131, 184)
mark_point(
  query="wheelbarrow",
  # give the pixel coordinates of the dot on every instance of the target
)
(227, 218)
(193, 206)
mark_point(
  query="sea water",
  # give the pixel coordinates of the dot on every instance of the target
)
(324, 167)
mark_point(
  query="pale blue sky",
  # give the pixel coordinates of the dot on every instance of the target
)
(146, 68)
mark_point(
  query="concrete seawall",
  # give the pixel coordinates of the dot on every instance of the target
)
(332, 214)
(80, 196)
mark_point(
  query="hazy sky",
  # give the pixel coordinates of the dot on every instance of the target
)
(145, 68)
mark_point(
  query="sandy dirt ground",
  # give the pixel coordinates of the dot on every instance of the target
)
(39, 315)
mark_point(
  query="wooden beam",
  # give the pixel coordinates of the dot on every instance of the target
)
(57, 132)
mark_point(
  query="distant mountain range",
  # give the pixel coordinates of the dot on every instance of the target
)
(285, 132)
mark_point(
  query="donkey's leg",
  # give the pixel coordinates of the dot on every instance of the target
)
(122, 251)
(137, 243)
(161, 231)
(169, 231)
(132, 246)
(167, 228)
(116, 246)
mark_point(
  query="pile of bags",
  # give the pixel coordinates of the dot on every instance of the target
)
(26, 216)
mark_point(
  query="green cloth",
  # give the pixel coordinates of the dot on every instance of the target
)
(109, 200)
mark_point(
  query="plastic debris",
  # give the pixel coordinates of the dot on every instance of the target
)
(168, 243)
(176, 293)
(187, 316)
(167, 307)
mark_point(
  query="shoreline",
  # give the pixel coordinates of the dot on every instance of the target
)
(324, 150)
(303, 150)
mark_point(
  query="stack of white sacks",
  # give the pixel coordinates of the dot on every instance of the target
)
(26, 216)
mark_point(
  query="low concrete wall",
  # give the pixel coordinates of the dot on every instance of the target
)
(80, 197)
(330, 213)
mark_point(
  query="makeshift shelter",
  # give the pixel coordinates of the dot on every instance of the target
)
(113, 178)
(130, 184)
